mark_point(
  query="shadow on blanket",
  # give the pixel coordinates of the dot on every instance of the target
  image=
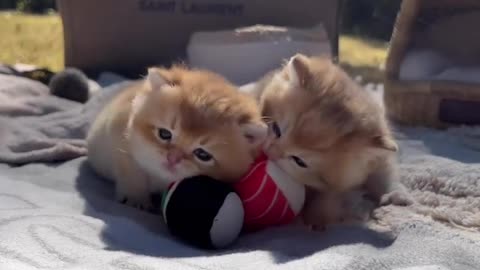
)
(138, 232)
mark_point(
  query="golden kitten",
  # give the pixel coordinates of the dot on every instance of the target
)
(174, 124)
(328, 133)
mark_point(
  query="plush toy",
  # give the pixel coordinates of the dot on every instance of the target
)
(71, 84)
(210, 213)
(203, 212)
(269, 196)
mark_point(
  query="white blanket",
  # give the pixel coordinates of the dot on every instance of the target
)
(61, 216)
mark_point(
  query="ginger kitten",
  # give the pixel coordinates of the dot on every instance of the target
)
(174, 124)
(329, 134)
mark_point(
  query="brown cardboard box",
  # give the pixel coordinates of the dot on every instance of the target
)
(128, 35)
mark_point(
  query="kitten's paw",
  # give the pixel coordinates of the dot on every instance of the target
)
(140, 201)
(397, 197)
(319, 221)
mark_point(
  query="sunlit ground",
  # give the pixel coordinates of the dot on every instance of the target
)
(38, 40)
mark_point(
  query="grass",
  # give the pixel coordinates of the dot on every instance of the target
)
(364, 57)
(38, 40)
(362, 52)
(31, 39)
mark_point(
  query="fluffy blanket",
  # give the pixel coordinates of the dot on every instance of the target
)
(38, 127)
(56, 214)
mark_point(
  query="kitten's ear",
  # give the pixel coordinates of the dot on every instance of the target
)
(298, 70)
(156, 78)
(255, 132)
(385, 142)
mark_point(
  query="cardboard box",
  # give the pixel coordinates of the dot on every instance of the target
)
(128, 35)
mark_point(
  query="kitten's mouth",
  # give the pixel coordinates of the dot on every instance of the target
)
(279, 166)
(170, 167)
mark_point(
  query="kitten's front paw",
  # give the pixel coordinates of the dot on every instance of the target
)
(313, 223)
(319, 220)
(397, 197)
(140, 201)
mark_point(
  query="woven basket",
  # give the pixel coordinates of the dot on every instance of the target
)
(438, 104)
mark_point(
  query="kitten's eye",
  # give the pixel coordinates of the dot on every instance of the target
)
(202, 155)
(299, 161)
(165, 134)
(276, 129)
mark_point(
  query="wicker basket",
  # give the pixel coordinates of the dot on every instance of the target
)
(436, 104)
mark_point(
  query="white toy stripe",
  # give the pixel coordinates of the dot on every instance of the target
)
(253, 170)
(259, 190)
(167, 199)
(293, 191)
(285, 207)
(272, 203)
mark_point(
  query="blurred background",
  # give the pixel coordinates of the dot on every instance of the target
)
(31, 32)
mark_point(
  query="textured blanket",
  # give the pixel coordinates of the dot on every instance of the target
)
(38, 127)
(59, 215)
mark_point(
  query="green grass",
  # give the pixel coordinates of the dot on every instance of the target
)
(38, 40)
(363, 57)
(362, 52)
(31, 39)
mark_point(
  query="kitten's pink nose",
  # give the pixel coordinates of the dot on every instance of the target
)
(174, 156)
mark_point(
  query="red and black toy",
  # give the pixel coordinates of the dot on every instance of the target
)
(266, 196)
